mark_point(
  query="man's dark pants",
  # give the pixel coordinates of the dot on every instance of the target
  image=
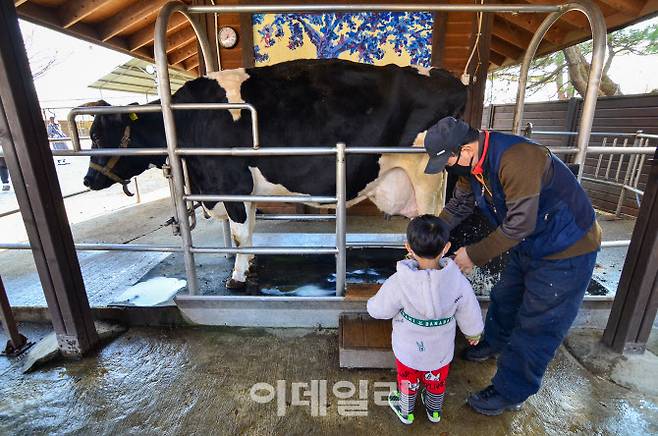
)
(532, 307)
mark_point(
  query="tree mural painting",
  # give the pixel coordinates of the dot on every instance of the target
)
(366, 35)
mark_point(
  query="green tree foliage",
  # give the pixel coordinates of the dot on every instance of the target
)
(567, 70)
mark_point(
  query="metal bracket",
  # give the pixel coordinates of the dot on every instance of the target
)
(173, 221)
(191, 215)
(166, 171)
(12, 351)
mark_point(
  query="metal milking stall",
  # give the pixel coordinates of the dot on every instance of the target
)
(182, 200)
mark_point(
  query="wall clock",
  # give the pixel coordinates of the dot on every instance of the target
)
(228, 37)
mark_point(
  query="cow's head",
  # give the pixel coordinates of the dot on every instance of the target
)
(115, 131)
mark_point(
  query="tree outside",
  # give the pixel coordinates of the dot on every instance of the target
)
(41, 61)
(566, 71)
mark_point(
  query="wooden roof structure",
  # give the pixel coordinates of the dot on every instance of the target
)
(127, 26)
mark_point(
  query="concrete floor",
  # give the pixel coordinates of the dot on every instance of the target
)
(197, 381)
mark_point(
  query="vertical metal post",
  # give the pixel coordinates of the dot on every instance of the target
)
(16, 340)
(597, 23)
(627, 177)
(138, 196)
(164, 91)
(638, 171)
(341, 217)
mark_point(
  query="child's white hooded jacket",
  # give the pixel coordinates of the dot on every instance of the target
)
(426, 306)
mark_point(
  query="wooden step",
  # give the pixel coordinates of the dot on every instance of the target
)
(364, 342)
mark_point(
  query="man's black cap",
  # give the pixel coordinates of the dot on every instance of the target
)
(443, 139)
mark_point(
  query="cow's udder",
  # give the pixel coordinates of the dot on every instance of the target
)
(394, 194)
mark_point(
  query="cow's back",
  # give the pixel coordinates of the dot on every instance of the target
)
(307, 103)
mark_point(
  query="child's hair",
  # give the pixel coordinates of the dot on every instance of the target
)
(427, 235)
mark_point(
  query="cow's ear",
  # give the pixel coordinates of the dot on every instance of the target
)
(130, 117)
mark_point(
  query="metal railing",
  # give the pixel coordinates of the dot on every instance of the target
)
(180, 193)
(620, 172)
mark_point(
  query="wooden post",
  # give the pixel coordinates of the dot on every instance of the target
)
(439, 30)
(30, 162)
(207, 24)
(492, 117)
(247, 40)
(636, 302)
(8, 322)
(478, 69)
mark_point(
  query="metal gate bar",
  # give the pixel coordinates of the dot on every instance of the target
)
(599, 40)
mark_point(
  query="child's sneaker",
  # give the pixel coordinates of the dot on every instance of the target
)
(5, 186)
(394, 402)
(433, 415)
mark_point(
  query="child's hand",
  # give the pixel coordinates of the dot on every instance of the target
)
(473, 340)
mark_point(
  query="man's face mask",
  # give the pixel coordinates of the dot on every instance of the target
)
(460, 170)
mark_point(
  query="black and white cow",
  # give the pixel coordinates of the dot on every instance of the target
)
(303, 103)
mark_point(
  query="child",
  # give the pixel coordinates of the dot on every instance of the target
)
(425, 297)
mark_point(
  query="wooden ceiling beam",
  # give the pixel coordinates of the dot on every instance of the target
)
(142, 11)
(72, 11)
(180, 54)
(531, 23)
(511, 33)
(47, 17)
(574, 19)
(190, 63)
(180, 38)
(628, 7)
(505, 48)
(497, 58)
(144, 36)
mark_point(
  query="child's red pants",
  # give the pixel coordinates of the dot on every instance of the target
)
(410, 380)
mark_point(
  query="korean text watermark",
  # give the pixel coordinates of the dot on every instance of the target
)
(351, 399)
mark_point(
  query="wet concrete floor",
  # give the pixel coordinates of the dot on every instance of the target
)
(198, 381)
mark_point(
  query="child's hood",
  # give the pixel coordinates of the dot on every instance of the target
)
(423, 289)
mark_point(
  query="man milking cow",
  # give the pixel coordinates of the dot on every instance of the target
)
(546, 222)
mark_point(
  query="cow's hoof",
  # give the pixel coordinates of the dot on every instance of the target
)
(234, 284)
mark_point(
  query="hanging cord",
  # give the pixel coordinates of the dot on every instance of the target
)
(219, 63)
(465, 76)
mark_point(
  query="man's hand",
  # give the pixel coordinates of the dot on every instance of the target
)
(462, 260)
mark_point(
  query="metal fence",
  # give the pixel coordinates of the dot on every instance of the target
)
(182, 200)
(620, 172)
